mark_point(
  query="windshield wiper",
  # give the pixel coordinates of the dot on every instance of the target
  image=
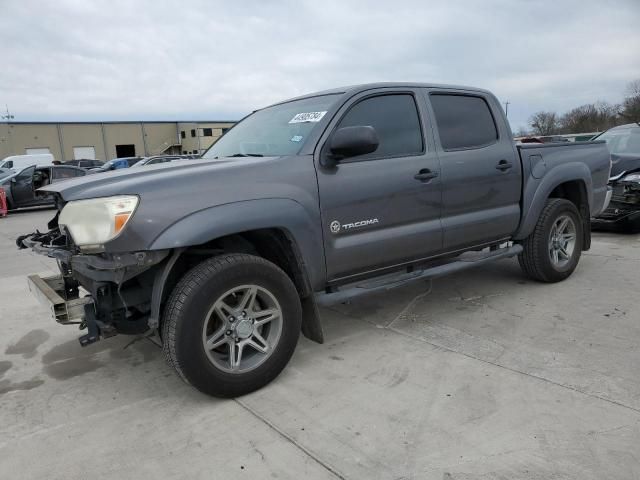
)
(246, 155)
(239, 155)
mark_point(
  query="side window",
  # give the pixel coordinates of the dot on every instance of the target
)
(61, 173)
(26, 175)
(463, 121)
(8, 164)
(395, 118)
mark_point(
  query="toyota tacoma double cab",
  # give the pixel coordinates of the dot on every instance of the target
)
(347, 190)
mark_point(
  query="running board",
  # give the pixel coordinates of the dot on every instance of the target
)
(388, 282)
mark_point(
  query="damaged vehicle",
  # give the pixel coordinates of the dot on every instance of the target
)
(623, 213)
(22, 188)
(351, 190)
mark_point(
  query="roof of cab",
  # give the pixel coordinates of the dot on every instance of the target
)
(353, 89)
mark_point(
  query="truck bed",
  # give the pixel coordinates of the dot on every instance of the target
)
(550, 163)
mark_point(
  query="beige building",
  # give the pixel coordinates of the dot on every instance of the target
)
(107, 140)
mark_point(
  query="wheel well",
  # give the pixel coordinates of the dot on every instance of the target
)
(576, 192)
(273, 244)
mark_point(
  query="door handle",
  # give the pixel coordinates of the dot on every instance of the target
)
(425, 175)
(504, 165)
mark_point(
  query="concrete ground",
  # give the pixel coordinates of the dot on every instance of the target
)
(485, 376)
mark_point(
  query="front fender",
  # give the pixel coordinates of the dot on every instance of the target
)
(302, 226)
(536, 192)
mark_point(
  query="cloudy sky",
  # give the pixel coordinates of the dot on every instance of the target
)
(192, 59)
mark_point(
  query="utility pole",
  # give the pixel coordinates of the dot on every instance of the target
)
(8, 115)
(506, 108)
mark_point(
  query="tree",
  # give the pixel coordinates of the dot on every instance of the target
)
(544, 123)
(522, 132)
(592, 117)
(631, 104)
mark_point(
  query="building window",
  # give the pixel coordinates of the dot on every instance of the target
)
(182, 134)
(195, 151)
(184, 152)
(193, 132)
(224, 130)
(207, 132)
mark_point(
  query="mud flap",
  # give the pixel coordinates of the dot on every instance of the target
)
(311, 326)
(586, 227)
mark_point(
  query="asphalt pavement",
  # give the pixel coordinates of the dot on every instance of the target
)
(480, 375)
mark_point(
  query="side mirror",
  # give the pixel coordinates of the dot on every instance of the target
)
(13, 180)
(352, 141)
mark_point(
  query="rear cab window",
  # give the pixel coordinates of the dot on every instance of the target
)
(61, 173)
(463, 121)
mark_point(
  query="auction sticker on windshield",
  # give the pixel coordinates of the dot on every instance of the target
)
(307, 117)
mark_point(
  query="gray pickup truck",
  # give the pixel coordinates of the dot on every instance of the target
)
(347, 190)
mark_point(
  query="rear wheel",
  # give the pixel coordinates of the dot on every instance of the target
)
(552, 251)
(231, 324)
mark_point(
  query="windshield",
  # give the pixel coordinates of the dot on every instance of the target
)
(273, 131)
(624, 140)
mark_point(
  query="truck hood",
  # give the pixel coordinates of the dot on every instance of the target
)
(138, 180)
(624, 162)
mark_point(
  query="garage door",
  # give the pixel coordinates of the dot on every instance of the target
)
(87, 153)
(36, 151)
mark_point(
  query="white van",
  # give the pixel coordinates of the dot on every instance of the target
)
(18, 162)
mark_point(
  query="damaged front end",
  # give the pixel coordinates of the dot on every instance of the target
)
(106, 293)
(624, 208)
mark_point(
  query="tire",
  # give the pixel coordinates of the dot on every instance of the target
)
(199, 309)
(537, 258)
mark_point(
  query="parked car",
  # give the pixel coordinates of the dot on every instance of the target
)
(21, 187)
(348, 190)
(158, 159)
(553, 139)
(116, 164)
(18, 162)
(84, 163)
(623, 213)
(542, 139)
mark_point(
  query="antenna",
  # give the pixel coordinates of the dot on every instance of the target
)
(8, 115)
(506, 108)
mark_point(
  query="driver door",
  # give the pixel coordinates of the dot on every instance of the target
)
(22, 187)
(383, 208)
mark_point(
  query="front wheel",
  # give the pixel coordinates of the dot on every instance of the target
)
(231, 324)
(552, 251)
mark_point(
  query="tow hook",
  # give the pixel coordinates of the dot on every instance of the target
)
(93, 332)
(95, 328)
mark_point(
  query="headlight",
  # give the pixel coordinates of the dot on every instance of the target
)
(632, 177)
(94, 222)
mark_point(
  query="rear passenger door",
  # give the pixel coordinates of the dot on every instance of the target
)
(381, 208)
(481, 173)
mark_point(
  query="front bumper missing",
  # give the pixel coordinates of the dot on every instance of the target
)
(77, 311)
(50, 292)
(116, 303)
